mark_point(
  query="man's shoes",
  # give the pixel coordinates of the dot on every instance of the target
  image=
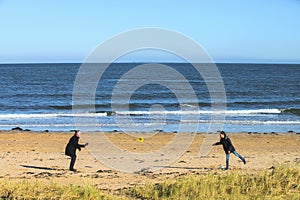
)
(73, 170)
(244, 161)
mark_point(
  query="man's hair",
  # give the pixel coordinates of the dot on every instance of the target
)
(223, 133)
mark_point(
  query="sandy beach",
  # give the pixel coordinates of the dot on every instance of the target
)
(40, 156)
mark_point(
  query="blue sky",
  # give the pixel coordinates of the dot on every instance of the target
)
(230, 31)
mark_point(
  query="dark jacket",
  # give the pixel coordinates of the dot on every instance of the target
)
(72, 146)
(227, 145)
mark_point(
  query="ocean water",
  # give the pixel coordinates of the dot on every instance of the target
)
(259, 98)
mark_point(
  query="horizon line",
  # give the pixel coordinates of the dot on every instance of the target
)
(162, 62)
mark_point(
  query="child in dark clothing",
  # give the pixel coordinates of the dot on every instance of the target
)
(228, 148)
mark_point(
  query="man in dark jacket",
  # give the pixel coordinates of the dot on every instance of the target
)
(228, 148)
(71, 148)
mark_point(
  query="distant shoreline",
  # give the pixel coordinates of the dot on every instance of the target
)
(156, 132)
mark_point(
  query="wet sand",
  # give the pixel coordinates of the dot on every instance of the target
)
(40, 156)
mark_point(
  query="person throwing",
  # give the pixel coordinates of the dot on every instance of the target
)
(228, 148)
(71, 148)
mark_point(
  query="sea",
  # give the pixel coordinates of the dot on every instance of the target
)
(44, 97)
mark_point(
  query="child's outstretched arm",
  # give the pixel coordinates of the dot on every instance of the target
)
(217, 143)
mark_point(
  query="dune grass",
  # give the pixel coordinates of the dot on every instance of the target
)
(282, 182)
(41, 191)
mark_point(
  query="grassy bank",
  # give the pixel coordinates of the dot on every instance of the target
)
(282, 182)
(29, 190)
(278, 183)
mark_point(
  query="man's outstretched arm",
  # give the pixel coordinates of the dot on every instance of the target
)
(83, 145)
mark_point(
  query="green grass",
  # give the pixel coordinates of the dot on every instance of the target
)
(282, 182)
(28, 190)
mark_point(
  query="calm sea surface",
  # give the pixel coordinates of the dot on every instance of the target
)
(259, 97)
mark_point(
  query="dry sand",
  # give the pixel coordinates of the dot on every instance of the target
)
(40, 156)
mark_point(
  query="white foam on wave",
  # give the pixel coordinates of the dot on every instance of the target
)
(52, 125)
(50, 115)
(151, 112)
(197, 112)
(232, 122)
(243, 122)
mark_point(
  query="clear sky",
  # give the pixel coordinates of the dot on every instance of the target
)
(231, 31)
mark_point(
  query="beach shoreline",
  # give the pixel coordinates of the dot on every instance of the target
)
(40, 156)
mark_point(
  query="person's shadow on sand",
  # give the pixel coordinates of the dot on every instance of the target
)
(37, 167)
